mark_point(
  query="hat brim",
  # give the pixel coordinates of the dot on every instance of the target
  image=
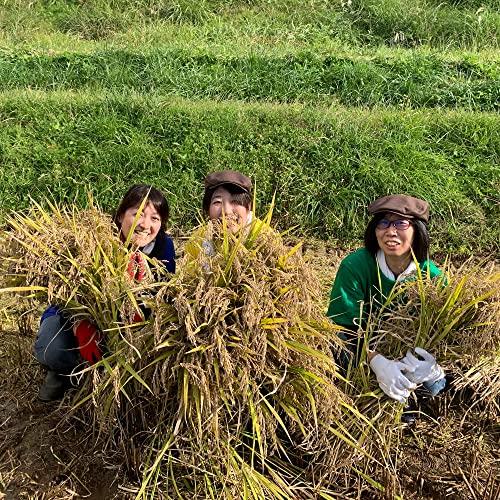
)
(226, 183)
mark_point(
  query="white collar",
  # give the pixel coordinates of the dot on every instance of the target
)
(147, 249)
(386, 271)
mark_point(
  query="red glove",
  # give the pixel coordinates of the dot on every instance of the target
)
(137, 318)
(136, 268)
(88, 338)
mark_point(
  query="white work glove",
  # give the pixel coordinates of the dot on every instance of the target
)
(390, 377)
(422, 370)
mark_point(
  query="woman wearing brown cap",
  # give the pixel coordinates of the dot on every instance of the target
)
(227, 196)
(365, 278)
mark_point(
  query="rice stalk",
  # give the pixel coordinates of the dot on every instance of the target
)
(245, 371)
(456, 317)
(229, 387)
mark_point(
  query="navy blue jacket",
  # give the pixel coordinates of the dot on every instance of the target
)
(164, 251)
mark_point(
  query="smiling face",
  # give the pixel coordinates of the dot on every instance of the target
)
(223, 203)
(392, 241)
(147, 227)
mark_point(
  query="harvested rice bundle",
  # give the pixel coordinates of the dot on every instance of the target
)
(236, 389)
(72, 258)
(229, 386)
(459, 320)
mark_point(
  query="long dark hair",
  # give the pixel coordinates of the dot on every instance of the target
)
(135, 196)
(421, 240)
(240, 196)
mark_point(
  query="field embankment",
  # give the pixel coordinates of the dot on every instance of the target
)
(329, 104)
(324, 164)
(419, 79)
(277, 25)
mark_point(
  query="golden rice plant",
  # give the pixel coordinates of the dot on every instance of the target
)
(456, 317)
(72, 258)
(240, 396)
(228, 388)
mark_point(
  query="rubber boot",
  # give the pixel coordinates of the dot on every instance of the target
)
(53, 387)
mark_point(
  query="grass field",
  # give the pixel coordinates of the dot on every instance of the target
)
(325, 164)
(415, 80)
(326, 104)
(249, 24)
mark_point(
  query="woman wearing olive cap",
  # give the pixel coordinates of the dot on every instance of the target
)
(366, 277)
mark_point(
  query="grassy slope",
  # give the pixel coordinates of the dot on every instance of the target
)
(338, 102)
(410, 80)
(132, 91)
(324, 164)
(462, 24)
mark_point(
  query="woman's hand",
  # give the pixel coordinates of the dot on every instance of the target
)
(136, 268)
(88, 338)
(422, 370)
(390, 377)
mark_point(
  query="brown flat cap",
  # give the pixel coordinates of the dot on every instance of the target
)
(216, 179)
(401, 204)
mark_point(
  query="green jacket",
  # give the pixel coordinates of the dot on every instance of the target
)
(360, 285)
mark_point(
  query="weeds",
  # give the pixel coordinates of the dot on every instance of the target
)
(270, 23)
(415, 80)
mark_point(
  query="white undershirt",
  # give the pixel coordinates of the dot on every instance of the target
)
(386, 271)
(146, 250)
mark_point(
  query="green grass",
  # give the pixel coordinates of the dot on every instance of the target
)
(306, 25)
(328, 103)
(444, 24)
(409, 80)
(325, 165)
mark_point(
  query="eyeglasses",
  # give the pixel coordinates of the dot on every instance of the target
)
(400, 224)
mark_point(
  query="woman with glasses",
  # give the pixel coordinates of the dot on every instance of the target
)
(396, 242)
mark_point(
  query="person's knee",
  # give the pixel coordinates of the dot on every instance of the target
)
(436, 387)
(55, 346)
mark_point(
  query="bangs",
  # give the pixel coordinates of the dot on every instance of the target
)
(238, 195)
